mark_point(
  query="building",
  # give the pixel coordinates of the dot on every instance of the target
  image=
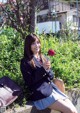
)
(54, 15)
(59, 13)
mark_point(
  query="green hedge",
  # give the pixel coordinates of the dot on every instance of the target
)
(65, 64)
(11, 51)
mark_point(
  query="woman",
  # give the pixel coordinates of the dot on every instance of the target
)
(37, 74)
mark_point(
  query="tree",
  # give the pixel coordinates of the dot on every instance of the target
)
(20, 14)
(33, 9)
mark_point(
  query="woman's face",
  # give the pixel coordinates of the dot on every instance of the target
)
(35, 47)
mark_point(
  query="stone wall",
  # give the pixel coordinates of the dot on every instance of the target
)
(74, 95)
(29, 109)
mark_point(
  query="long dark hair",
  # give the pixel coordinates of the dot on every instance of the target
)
(28, 54)
(27, 45)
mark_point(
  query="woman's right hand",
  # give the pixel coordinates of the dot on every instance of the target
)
(47, 65)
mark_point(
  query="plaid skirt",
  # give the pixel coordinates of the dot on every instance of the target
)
(46, 102)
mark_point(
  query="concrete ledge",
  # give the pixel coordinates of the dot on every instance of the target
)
(30, 109)
(74, 95)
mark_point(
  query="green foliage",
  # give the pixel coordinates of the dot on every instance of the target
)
(17, 15)
(66, 62)
(11, 51)
(66, 33)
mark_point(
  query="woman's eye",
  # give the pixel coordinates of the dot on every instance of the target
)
(37, 42)
(33, 43)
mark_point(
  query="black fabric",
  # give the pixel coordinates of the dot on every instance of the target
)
(9, 91)
(37, 79)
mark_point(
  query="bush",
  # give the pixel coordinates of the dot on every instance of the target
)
(11, 51)
(65, 64)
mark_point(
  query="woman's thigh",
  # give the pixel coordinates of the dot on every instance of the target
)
(63, 106)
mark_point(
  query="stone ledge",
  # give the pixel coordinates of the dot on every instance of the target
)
(30, 109)
(74, 95)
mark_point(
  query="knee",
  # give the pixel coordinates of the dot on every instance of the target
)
(75, 111)
(72, 111)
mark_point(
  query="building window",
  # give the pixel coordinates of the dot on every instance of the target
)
(72, 5)
(45, 18)
(41, 18)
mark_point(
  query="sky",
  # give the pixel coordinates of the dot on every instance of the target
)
(3, 1)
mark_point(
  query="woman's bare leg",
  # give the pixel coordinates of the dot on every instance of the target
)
(63, 106)
(70, 103)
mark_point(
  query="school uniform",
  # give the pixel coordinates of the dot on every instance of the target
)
(39, 81)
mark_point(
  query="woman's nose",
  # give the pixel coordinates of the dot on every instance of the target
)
(36, 44)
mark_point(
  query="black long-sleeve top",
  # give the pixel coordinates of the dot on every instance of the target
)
(37, 79)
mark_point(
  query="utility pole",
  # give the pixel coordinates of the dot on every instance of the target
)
(54, 13)
(77, 15)
(55, 16)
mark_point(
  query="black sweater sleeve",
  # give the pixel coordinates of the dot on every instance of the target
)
(50, 74)
(32, 76)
